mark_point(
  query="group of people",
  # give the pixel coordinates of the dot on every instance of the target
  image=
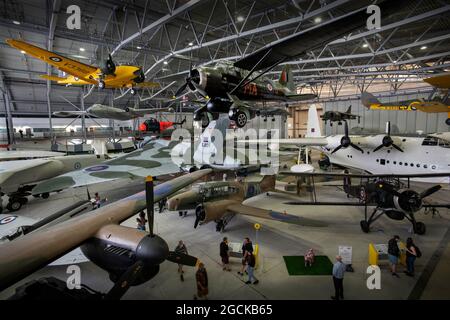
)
(412, 253)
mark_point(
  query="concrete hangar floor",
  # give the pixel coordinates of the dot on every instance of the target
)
(276, 239)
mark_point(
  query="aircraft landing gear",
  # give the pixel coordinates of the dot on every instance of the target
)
(364, 226)
(222, 223)
(15, 203)
(45, 195)
(101, 84)
(239, 117)
(133, 91)
(447, 121)
(419, 228)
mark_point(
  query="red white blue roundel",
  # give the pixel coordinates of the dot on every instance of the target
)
(269, 87)
(7, 219)
(55, 59)
(97, 168)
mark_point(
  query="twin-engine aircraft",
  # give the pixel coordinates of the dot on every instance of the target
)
(110, 76)
(107, 112)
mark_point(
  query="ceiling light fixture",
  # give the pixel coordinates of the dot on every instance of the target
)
(423, 47)
(318, 20)
(165, 62)
(23, 52)
(16, 22)
(240, 19)
(191, 44)
(82, 49)
(139, 47)
(365, 45)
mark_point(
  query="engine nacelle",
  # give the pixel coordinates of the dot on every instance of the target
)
(212, 211)
(116, 248)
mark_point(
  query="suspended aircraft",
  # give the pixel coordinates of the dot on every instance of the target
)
(336, 116)
(375, 154)
(387, 193)
(130, 256)
(219, 85)
(110, 76)
(221, 201)
(107, 112)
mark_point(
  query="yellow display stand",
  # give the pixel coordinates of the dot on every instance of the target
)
(379, 252)
(256, 254)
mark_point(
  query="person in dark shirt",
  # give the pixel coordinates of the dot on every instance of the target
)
(411, 255)
(181, 249)
(141, 221)
(394, 254)
(247, 246)
(224, 254)
(202, 282)
(251, 262)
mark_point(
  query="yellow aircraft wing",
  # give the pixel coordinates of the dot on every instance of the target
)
(441, 82)
(73, 67)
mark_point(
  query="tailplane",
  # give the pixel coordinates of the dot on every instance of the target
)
(368, 99)
(313, 128)
(287, 79)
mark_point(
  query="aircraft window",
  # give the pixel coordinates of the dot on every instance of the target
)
(400, 163)
(418, 165)
(389, 151)
(425, 166)
(406, 163)
(433, 167)
(382, 162)
(412, 164)
(387, 161)
(395, 162)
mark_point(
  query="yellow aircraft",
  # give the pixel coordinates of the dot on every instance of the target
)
(435, 105)
(111, 76)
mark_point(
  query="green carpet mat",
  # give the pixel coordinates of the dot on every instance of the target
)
(295, 265)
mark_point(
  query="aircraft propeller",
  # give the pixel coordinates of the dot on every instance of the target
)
(387, 140)
(200, 214)
(140, 75)
(110, 66)
(192, 81)
(152, 251)
(346, 141)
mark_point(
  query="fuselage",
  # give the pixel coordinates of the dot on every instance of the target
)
(101, 111)
(420, 156)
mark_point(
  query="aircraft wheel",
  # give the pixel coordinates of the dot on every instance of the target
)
(241, 119)
(36, 195)
(364, 226)
(101, 84)
(45, 195)
(420, 228)
(14, 204)
(1, 209)
(180, 213)
(447, 122)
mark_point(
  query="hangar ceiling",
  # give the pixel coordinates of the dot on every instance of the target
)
(165, 37)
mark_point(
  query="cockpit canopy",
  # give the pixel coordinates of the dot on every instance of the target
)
(434, 141)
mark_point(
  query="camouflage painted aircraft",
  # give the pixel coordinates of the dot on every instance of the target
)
(436, 104)
(243, 78)
(107, 112)
(19, 177)
(336, 116)
(111, 76)
(101, 237)
(221, 201)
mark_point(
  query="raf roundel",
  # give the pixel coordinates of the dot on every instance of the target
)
(55, 59)
(7, 219)
(97, 168)
(269, 87)
(77, 166)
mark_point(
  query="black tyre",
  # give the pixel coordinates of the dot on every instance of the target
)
(364, 226)
(447, 122)
(420, 228)
(14, 205)
(1, 209)
(101, 84)
(45, 195)
(241, 119)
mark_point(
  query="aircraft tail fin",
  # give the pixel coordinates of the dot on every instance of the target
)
(368, 99)
(313, 128)
(286, 78)
(349, 110)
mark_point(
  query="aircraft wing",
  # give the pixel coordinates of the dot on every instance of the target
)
(33, 251)
(319, 141)
(69, 113)
(143, 112)
(274, 215)
(441, 82)
(9, 223)
(153, 159)
(315, 37)
(302, 97)
(73, 67)
(370, 176)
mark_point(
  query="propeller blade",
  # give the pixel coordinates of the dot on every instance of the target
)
(397, 147)
(356, 147)
(180, 90)
(388, 128)
(182, 258)
(197, 220)
(200, 90)
(378, 148)
(430, 191)
(336, 149)
(126, 279)
(345, 128)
